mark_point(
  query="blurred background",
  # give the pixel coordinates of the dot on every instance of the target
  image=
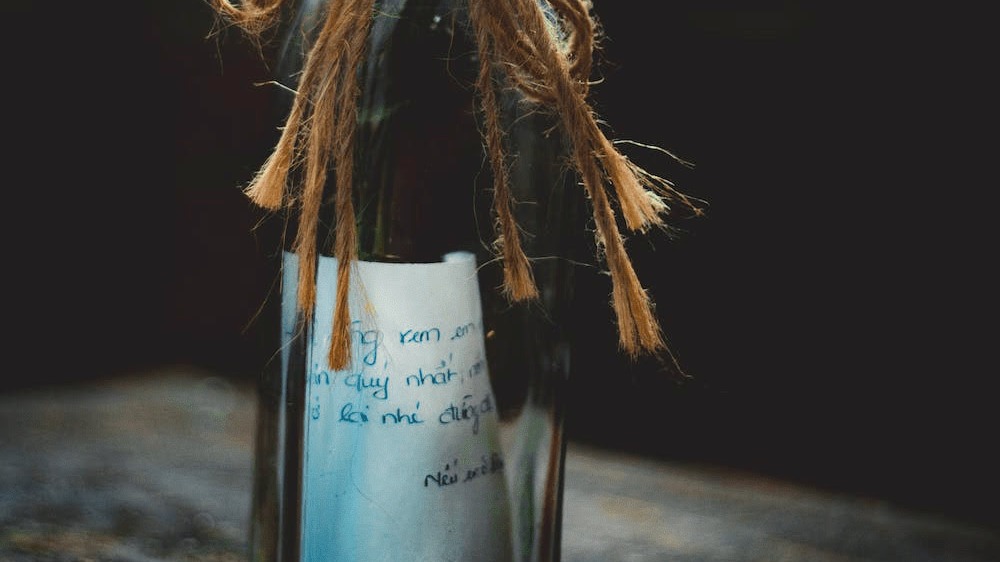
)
(831, 311)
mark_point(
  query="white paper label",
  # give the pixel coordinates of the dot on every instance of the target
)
(402, 455)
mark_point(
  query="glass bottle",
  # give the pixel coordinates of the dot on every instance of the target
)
(443, 438)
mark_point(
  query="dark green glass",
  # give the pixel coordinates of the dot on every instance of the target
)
(444, 438)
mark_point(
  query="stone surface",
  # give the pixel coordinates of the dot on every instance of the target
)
(158, 468)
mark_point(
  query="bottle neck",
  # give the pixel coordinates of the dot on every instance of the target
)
(420, 176)
(419, 152)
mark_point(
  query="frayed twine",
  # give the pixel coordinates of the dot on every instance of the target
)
(545, 50)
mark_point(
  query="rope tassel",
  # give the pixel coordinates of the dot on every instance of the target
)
(544, 48)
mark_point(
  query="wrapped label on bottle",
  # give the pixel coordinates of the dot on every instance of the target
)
(402, 457)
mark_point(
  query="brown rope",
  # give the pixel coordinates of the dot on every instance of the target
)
(518, 280)
(548, 57)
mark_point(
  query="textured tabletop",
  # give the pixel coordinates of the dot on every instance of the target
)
(159, 467)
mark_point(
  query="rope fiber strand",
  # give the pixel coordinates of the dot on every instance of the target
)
(545, 49)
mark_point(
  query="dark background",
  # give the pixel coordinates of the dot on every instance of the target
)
(832, 311)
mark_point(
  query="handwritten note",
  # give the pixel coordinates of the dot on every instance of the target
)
(402, 457)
